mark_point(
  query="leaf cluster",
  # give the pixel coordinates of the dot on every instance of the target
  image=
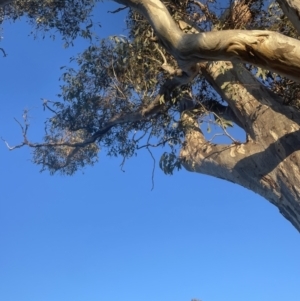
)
(115, 79)
(103, 100)
(71, 18)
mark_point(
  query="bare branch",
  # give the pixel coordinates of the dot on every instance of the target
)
(117, 10)
(12, 147)
(4, 53)
(154, 162)
(46, 106)
(222, 111)
(157, 144)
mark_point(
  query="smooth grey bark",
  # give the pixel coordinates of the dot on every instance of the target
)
(266, 49)
(268, 163)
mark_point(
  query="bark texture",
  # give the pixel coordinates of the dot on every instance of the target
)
(268, 163)
(267, 49)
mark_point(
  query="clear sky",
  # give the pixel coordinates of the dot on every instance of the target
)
(103, 235)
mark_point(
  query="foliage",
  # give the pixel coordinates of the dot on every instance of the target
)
(70, 17)
(105, 102)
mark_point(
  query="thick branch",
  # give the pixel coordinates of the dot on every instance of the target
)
(199, 155)
(270, 50)
(251, 102)
(291, 9)
(245, 95)
(265, 168)
(158, 16)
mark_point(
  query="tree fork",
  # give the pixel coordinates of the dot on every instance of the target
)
(266, 49)
(272, 172)
(268, 163)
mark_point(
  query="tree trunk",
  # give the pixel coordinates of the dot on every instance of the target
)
(268, 163)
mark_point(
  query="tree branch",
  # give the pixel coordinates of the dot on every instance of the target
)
(245, 95)
(222, 111)
(199, 155)
(154, 107)
(267, 49)
(117, 10)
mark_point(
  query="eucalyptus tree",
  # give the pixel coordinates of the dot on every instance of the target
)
(181, 65)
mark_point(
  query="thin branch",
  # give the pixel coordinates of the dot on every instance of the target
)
(153, 169)
(154, 161)
(4, 53)
(12, 147)
(122, 118)
(162, 55)
(158, 144)
(221, 111)
(225, 131)
(165, 64)
(122, 164)
(46, 106)
(117, 10)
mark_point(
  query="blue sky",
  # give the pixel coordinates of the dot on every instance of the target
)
(103, 235)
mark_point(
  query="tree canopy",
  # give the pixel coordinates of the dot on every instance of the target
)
(181, 66)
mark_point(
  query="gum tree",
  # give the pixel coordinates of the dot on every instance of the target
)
(184, 64)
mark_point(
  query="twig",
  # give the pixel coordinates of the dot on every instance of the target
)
(117, 10)
(12, 147)
(153, 169)
(225, 131)
(4, 53)
(45, 105)
(156, 145)
(122, 164)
